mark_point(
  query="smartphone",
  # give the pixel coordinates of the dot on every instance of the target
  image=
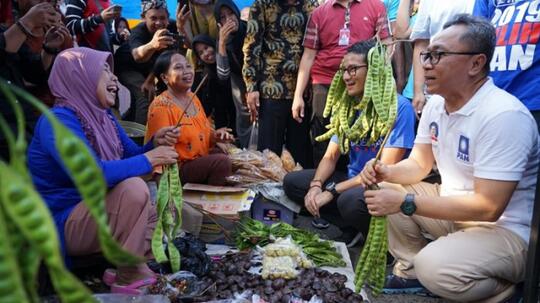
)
(116, 8)
(173, 35)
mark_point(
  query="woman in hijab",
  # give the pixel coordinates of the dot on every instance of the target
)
(216, 94)
(200, 162)
(230, 58)
(85, 88)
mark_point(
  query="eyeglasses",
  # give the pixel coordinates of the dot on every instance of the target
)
(351, 70)
(435, 56)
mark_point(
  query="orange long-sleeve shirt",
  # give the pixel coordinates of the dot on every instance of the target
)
(194, 140)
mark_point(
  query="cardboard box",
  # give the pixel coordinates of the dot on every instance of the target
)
(222, 206)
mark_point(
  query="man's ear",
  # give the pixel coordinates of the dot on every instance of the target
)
(478, 64)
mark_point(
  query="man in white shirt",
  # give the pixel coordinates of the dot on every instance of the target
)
(432, 15)
(485, 144)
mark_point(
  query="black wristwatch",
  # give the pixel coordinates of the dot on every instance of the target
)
(331, 188)
(408, 207)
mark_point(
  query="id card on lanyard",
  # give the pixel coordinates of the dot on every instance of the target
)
(345, 32)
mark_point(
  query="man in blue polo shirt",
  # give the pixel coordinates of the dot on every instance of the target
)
(515, 66)
(323, 190)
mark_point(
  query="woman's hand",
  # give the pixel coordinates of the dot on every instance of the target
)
(223, 135)
(148, 88)
(167, 136)
(110, 13)
(183, 17)
(41, 16)
(162, 155)
(58, 38)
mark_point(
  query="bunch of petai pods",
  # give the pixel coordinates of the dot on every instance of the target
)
(169, 209)
(370, 118)
(379, 111)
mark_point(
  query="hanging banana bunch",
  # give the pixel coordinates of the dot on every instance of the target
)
(353, 120)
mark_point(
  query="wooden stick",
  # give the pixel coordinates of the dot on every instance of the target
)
(379, 153)
(212, 217)
(191, 99)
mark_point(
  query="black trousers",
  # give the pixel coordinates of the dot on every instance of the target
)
(348, 210)
(277, 127)
(318, 127)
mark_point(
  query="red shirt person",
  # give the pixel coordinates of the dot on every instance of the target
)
(332, 28)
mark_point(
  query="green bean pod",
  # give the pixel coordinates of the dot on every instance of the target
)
(11, 283)
(28, 211)
(162, 201)
(176, 193)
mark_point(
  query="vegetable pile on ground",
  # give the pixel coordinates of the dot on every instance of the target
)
(251, 232)
(230, 275)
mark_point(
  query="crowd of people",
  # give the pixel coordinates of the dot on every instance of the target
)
(466, 73)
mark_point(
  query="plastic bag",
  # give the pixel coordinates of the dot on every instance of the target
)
(178, 286)
(282, 258)
(254, 137)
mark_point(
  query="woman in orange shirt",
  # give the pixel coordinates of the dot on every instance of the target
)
(199, 161)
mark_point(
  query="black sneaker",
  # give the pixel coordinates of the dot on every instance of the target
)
(398, 285)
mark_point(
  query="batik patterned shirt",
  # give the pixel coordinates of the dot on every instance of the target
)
(273, 46)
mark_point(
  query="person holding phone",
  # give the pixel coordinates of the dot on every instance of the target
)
(91, 22)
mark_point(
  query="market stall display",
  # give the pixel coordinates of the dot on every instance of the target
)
(231, 274)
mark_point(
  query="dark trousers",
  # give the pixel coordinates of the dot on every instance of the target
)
(133, 80)
(318, 127)
(277, 127)
(347, 210)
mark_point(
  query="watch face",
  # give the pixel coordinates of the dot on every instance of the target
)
(330, 186)
(408, 207)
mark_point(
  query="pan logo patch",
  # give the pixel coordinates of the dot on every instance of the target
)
(463, 149)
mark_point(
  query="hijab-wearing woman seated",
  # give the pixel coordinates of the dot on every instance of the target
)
(85, 88)
(199, 161)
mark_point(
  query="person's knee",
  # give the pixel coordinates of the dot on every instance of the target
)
(223, 163)
(135, 193)
(289, 182)
(432, 270)
(296, 184)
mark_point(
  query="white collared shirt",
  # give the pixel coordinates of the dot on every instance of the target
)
(433, 14)
(493, 136)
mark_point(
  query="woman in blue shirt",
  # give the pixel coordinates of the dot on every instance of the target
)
(85, 88)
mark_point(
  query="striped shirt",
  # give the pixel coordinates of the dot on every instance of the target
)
(75, 22)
